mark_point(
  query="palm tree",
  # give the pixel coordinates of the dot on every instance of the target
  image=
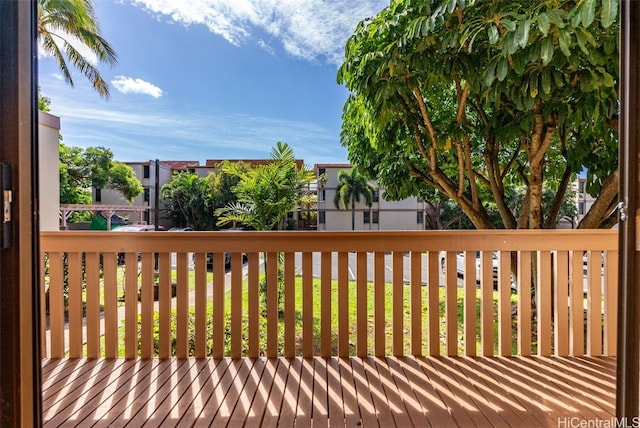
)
(351, 186)
(64, 22)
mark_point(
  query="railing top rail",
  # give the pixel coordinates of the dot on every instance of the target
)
(315, 241)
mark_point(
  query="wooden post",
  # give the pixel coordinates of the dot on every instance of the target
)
(20, 396)
(627, 391)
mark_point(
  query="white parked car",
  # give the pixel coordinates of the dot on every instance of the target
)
(460, 265)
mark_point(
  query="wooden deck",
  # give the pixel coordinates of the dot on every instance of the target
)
(369, 392)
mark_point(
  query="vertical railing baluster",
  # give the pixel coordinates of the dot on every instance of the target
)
(524, 303)
(561, 303)
(379, 318)
(307, 305)
(343, 304)
(200, 306)
(236, 305)
(218, 305)
(75, 304)
(164, 305)
(254, 304)
(146, 305)
(451, 304)
(577, 304)
(433, 310)
(543, 307)
(362, 322)
(398, 304)
(272, 305)
(109, 263)
(470, 299)
(416, 303)
(92, 298)
(56, 305)
(486, 302)
(325, 305)
(610, 302)
(131, 334)
(289, 305)
(504, 304)
(182, 305)
(594, 305)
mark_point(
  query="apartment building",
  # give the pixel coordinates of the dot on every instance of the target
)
(152, 175)
(407, 214)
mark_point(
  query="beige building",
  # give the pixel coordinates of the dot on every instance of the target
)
(49, 171)
(152, 175)
(407, 214)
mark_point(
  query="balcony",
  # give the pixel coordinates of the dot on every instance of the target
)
(353, 328)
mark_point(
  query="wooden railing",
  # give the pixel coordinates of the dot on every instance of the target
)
(341, 293)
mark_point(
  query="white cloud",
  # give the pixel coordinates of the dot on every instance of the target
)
(308, 29)
(128, 85)
(266, 47)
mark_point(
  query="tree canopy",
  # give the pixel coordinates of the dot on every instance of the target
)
(267, 193)
(475, 99)
(81, 169)
(192, 201)
(63, 25)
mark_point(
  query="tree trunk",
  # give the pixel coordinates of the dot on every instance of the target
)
(353, 215)
(601, 209)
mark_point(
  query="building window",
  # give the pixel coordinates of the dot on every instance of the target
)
(192, 170)
(98, 195)
(146, 194)
(376, 217)
(321, 217)
(322, 195)
(420, 217)
(146, 216)
(376, 195)
(321, 171)
(581, 208)
(366, 217)
(145, 171)
(581, 186)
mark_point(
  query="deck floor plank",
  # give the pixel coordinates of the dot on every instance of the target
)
(304, 406)
(387, 392)
(247, 394)
(363, 394)
(288, 408)
(270, 389)
(512, 410)
(79, 392)
(203, 386)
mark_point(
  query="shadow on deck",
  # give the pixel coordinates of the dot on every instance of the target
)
(385, 392)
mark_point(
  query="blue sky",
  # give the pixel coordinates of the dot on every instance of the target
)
(212, 79)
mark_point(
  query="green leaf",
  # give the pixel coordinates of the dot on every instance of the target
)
(582, 42)
(493, 34)
(522, 35)
(609, 12)
(546, 50)
(518, 63)
(543, 23)
(508, 24)
(503, 67)
(607, 79)
(588, 13)
(546, 82)
(452, 5)
(564, 38)
(490, 74)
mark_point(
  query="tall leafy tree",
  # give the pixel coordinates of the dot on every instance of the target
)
(477, 98)
(352, 186)
(188, 201)
(65, 24)
(267, 193)
(81, 169)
